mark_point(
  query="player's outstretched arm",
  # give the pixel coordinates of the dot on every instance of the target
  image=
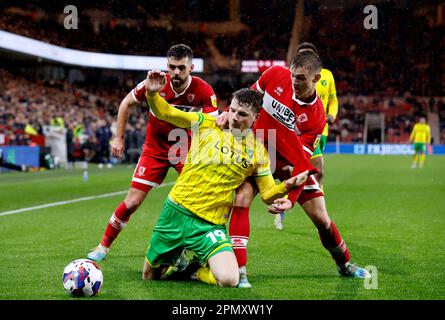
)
(411, 136)
(270, 191)
(162, 110)
(118, 143)
(332, 102)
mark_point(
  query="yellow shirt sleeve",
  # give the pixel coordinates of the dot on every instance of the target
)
(413, 132)
(164, 111)
(269, 190)
(332, 99)
(412, 137)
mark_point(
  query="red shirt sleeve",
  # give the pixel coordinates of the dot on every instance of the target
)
(139, 91)
(264, 79)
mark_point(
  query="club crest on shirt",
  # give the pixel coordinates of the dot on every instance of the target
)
(162, 94)
(190, 97)
(302, 118)
(141, 171)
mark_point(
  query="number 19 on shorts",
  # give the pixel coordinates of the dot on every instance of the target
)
(216, 235)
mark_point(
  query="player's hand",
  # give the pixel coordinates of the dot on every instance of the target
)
(330, 118)
(297, 180)
(222, 120)
(117, 147)
(280, 205)
(155, 81)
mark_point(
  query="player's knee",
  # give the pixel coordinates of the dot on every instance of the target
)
(132, 204)
(321, 171)
(147, 272)
(322, 222)
(228, 279)
(146, 276)
(243, 198)
(134, 200)
(319, 217)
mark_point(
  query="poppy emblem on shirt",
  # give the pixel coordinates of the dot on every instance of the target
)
(190, 97)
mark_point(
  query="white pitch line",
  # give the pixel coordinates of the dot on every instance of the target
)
(61, 203)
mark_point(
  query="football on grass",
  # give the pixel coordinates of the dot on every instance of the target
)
(82, 278)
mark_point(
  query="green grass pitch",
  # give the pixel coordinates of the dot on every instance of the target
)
(391, 216)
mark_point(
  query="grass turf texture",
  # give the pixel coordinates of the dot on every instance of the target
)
(391, 216)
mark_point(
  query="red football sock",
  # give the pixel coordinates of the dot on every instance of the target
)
(336, 246)
(115, 225)
(239, 230)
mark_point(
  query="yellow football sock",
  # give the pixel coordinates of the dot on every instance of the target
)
(205, 275)
(421, 159)
(415, 159)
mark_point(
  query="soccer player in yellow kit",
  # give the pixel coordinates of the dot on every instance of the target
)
(420, 136)
(198, 206)
(327, 92)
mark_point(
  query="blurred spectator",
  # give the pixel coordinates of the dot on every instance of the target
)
(90, 149)
(103, 136)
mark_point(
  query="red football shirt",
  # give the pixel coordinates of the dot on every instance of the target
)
(298, 125)
(199, 96)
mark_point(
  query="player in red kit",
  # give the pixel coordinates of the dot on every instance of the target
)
(162, 148)
(291, 107)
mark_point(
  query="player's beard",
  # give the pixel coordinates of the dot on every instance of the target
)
(177, 82)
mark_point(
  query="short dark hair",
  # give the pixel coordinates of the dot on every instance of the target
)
(307, 46)
(180, 51)
(250, 98)
(307, 59)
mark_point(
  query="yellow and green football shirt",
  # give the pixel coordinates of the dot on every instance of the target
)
(217, 163)
(328, 94)
(421, 133)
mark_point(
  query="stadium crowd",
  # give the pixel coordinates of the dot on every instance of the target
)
(27, 106)
(364, 61)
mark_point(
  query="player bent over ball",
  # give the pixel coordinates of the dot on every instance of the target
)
(198, 206)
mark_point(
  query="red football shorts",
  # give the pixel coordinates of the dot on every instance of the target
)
(151, 171)
(311, 188)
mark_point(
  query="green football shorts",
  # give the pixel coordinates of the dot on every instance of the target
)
(420, 147)
(178, 228)
(320, 148)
